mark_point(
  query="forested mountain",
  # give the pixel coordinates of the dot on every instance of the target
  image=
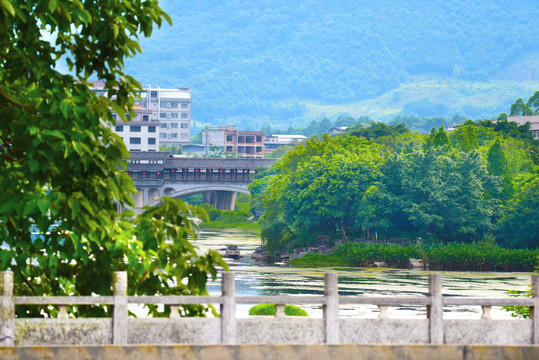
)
(253, 63)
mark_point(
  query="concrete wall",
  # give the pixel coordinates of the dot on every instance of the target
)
(271, 352)
(269, 330)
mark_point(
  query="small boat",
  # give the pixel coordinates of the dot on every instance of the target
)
(232, 251)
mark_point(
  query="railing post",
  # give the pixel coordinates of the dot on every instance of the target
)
(119, 311)
(435, 311)
(331, 308)
(534, 310)
(228, 309)
(7, 309)
(174, 312)
(486, 312)
(279, 311)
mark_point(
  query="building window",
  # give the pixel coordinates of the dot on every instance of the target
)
(145, 117)
(134, 140)
(163, 115)
(185, 116)
(114, 116)
(229, 149)
(162, 135)
(229, 138)
(259, 149)
(258, 138)
(173, 105)
(163, 126)
(135, 128)
(151, 128)
(173, 115)
(185, 105)
(173, 135)
(151, 141)
(185, 136)
(119, 128)
(184, 125)
(173, 125)
(154, 94)
(163, 104)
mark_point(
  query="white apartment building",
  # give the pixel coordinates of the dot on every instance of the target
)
(139, 134)
(163, 118)
(172, 108)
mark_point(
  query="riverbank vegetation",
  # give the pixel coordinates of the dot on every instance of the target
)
(460, 188)
(439, 256)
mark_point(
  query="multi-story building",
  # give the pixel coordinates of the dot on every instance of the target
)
(250, 144)
(246, 144)
(139, 134)
(172, 107)
(163, 118)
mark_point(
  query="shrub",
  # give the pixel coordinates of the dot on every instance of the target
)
(269, 309)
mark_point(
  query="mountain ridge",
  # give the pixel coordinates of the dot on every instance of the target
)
(275, 62)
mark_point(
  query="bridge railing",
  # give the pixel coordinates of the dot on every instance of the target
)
(242, 176)
(331, 301)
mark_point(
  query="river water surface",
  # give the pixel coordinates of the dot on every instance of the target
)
(253, 279)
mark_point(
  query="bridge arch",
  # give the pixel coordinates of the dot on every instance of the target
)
(153, 194)
(222, 196)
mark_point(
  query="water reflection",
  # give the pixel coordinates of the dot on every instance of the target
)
(254, 279)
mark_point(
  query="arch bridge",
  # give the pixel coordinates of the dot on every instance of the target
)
(158, 174)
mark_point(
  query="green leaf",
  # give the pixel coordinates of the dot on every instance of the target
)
(43, 205)
(33, 164)
(6, 4)
(52, 5)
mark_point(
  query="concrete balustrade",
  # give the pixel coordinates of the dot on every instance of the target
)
(228, 330)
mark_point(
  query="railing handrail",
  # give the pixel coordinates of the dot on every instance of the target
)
(278, 300)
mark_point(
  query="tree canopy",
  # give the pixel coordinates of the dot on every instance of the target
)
(467, 185)
(62, 168)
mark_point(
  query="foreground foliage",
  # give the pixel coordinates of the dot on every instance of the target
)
(62, 168)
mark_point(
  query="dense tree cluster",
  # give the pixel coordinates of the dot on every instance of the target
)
(479, 180)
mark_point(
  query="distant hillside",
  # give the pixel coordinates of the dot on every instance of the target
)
(286, 62)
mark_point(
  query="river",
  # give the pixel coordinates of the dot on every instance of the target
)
(253, 279)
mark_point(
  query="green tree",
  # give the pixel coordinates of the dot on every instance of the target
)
(319, 187)
(378, 129)
(533, 102)
(440, 138)
(519, 227)
(519, 108)
(433, 192)
(497, 166)
(62, 168)
(466, 138)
